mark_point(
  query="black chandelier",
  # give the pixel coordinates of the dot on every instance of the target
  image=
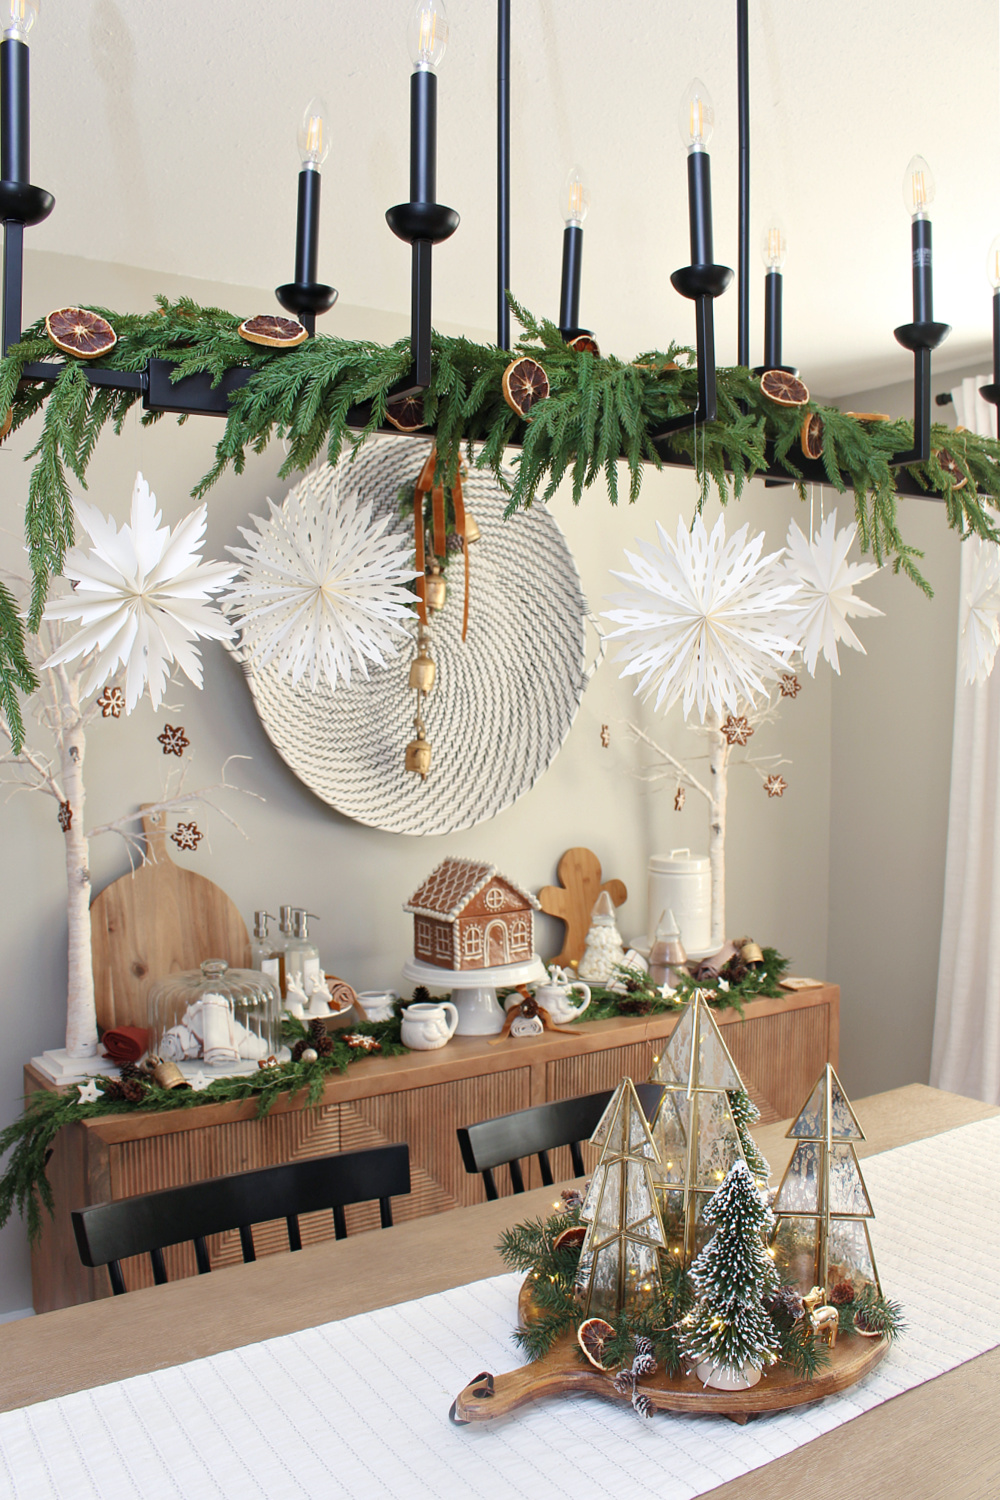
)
(422, 222)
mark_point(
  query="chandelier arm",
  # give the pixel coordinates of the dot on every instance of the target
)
(503, 173)
(20, 203)
(743, 114)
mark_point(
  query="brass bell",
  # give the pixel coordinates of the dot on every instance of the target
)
(167, 1074)
(751, 953)
(435, 588)
(472, 532)
(418, 755)
(422, 669)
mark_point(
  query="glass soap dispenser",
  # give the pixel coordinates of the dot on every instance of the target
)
(301, 953)
(267, 954)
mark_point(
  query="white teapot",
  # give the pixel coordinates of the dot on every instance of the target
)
(425, 1025)
(556, 996)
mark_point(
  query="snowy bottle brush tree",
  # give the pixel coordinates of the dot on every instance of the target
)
(716, 623)
(729, 1335)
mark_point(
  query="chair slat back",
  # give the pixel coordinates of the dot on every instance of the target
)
(503, 1141)
(108, 1233)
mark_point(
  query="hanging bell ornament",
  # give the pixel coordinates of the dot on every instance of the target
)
(418, 755)
(472, 532)
(435, 588)
(422, 668)
(750, 952)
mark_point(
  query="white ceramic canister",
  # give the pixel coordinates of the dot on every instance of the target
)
(682, 883)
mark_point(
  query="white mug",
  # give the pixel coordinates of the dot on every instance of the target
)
(557, 1000)
(425, 1025)
(378, 1004)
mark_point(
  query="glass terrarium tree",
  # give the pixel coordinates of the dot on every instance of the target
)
(696, 1137)
(820, 1236)
(619, 1268)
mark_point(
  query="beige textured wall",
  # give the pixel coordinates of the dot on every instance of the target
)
(301, 851)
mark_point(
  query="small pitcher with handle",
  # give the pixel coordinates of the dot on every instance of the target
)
(426, 1025)
(557, 996)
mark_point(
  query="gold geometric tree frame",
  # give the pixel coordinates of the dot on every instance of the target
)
(821, 1236)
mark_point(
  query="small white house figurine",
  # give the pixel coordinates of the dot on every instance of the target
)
(604, 947)
(468, 916)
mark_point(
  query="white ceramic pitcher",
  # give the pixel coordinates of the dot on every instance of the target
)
(425, 1025)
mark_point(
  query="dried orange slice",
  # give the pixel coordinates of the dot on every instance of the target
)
(951, 468)
(74, 330)
(406, 413)
(273, 332)
(785, 389)
(524, 383)
(593, 1337)
(811, 436)
(585, 344)
(869, 416)
(570, 1239)
(5, 426)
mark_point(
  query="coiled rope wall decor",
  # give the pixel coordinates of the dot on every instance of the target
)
(504, 700)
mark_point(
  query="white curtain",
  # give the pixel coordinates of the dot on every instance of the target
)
(966, 1053)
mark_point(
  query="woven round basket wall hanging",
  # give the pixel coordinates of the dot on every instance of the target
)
(504, 700)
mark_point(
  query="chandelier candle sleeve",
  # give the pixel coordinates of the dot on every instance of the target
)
(314, 147)
(696, 123)
(991, 393)
(575, 203)
(918, 192)
(774, 260)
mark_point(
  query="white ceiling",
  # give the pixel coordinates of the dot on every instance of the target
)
(167, 134)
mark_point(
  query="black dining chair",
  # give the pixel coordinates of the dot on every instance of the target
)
(537, 1131)
(107, 1233)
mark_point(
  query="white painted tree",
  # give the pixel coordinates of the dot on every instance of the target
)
(714, 623)
(63, 714)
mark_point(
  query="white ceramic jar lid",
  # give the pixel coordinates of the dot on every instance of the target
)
(679, 861)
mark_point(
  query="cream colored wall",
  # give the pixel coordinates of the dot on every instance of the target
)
(301, 851)
(892, 714)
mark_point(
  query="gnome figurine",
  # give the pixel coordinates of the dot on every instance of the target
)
(604, 948)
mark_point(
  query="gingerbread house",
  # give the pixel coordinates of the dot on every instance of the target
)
(468, 916)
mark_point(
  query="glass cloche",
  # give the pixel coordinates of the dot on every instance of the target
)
(219, 1016)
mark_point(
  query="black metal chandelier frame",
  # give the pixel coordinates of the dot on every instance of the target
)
(422, 222)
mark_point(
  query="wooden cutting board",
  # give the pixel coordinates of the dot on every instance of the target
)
(572, 901)
(154, 922)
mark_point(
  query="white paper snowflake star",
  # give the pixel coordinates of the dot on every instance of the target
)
(322, 586)
(826, 590)
(708, 618)
(979, 628)
(143, 596)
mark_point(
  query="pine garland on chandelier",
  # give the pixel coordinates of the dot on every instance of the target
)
(599, 410)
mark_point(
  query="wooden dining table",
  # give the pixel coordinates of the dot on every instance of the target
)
(937, 1440)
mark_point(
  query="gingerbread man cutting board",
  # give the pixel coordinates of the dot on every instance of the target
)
(572, 901)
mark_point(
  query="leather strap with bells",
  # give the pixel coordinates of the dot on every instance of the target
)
(425, 485)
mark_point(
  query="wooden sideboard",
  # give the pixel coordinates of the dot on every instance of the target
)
(422, 1098)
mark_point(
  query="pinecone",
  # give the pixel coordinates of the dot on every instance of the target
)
(843, 1292)
(300, 1046)
(316, 1031)
(785, 1302)
(114, 1090)
(643, 1345)
(633, 985)
(641, 1403)
(421, 995)
(133, 1090)
(130, 1070)
(624, 1383)
(643, 1364)
(635, 1007)
(324, 1045)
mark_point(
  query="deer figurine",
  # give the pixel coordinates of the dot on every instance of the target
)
(824, 1320)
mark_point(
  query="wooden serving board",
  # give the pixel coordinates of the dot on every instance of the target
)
(572, 901)
(156, 921)
(564, 1371)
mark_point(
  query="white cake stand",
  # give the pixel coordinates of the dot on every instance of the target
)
(474, 991)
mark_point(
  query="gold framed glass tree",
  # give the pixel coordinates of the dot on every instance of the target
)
(821, 1236)
(696, 1137)
(619, 1267)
